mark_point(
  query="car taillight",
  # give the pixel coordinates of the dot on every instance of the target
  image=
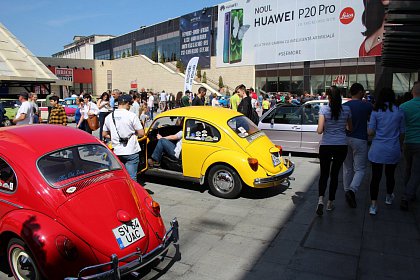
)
(153, 206)
(253, 163)
(66, 247)
(280, 150)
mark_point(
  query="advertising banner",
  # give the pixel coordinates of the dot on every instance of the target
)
(195, 36)
(251, 32)
(190, 72)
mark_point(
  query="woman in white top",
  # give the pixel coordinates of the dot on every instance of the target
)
(104, 106)
(89, 108)
(215, 101)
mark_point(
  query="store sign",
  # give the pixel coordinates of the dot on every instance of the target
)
(278, 31)
(340, 81)
(64, 74)
(195, 29)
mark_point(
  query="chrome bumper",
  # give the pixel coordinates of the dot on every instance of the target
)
(275, 180)
(116, 271)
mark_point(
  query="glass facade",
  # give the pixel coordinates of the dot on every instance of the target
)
(104, 55)
(122, 51)
(403, 82)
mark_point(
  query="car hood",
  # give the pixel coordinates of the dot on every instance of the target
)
(262, 149)
(94, 213)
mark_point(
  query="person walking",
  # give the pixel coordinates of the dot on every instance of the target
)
(150, 105)
(33, 97)
(58, 114)
(77, 113)
(135, 106)
(355, 164)
(185, 99)
(265, 105)
(245, 105)
(25, 113)
(215, 101)
(411, 149)
(89, 109)
(104, 106)
(387, 126)
(199, 100)
(123, 127)
(234, 101)
(332, 123)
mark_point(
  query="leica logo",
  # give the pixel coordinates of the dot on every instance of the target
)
(347, 15)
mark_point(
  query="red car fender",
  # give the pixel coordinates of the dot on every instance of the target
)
(39, 232)
(156, 223)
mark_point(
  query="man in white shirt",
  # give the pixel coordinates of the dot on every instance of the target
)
(162, 104)
(25, 114)
(150, 105)
(166, 146)
(123, 127)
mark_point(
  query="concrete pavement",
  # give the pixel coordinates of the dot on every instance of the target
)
(267, 235)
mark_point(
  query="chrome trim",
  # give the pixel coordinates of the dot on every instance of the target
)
(275, 180)
(116, 271)
(11, 203)
(171, 174)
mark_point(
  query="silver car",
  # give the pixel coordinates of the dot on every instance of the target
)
(294, 127)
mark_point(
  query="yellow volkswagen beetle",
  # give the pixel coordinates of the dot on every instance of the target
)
(218, 146)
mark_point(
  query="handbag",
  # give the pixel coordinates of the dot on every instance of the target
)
(93, 122)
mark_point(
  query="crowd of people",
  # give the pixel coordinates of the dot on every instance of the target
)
(345, 129)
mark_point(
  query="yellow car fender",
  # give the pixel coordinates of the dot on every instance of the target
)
(238, 161)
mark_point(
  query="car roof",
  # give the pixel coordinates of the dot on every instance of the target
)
(212, 114)
(28, 142)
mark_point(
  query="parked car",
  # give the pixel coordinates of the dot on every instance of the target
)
(294, 126)
(219, 146)
(68, 208)
(11, 106)
(70, 102)
(43, 108)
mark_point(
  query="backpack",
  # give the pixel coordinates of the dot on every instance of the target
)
(254, 116)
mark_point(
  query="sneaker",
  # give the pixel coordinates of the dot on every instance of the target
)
(389, 199)
(330, 206)
(373, 209)
(152, 163)
(320, 209)
(351, 199)
(404, 204)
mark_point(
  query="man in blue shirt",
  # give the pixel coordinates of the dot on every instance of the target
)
(354, 166)
(411, 146)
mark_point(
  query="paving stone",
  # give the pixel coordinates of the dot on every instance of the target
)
(393, 245)
(334, 242)
(266, 270)
(282, 253)
(291, 274)
(292, 231)
(402, 230)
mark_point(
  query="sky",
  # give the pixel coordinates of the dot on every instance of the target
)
(45, 26)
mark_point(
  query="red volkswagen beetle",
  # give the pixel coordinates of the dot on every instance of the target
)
(68, 208)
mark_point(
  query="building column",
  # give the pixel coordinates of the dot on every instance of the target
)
(383, 76)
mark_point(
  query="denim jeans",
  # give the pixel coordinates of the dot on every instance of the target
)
(412, 169)
(131, 163)
(151, 113)
(354, 167)
(163, 146)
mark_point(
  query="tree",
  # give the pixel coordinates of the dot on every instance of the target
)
(221, 82)
(162, 58)
(136, 52)
(123, 54)
(128, 53)
(180, 66)
(154, 56)
(204, 80)
(199, 72)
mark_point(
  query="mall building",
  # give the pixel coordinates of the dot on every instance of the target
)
(152, 57)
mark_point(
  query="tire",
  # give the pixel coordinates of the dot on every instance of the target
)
(7, 122)
(21, 261)
(224, 182)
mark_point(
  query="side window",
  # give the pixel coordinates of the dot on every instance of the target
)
(287, 115)
(310, 114)
(8, 181)
(201, 131)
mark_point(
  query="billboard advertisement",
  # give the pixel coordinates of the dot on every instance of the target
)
(64, 74)
(254, 32)
(195, 29)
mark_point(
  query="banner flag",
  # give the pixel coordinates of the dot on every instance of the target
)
(190, 72)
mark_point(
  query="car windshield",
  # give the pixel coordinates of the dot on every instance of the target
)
(65, 166)
(243, 126)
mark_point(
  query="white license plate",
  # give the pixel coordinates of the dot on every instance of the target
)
(128, 233)
(276, 159)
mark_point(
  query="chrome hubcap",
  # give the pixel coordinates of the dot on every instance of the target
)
(223, 181)
(23, 265)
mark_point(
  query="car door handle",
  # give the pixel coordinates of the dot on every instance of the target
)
(296, 127)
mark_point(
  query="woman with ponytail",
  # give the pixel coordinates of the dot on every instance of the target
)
(333, 121)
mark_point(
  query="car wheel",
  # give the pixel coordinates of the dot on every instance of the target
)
(7, 122)
(21, 261)
(224, 181)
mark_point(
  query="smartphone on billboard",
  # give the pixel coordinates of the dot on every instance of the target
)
(226, 41)
(236, 22)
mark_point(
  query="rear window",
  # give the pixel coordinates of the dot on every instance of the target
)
(65, 166)
(243, 126)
